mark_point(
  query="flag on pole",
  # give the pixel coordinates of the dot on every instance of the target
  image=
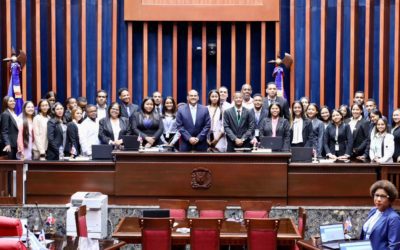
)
(14, 88)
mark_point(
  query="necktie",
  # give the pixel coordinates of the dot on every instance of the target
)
(238, 116)
(128, 111)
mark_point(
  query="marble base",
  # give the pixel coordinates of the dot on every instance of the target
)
(315, 215)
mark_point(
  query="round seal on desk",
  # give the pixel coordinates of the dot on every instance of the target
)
(201, 178)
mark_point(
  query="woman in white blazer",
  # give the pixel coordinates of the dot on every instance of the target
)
(40, 130)
(382, 143)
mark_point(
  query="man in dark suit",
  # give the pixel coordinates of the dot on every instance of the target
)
(273, 98)
(127, 108)
(259, 112)
(193, 123)
(157, 98)
(238, 124)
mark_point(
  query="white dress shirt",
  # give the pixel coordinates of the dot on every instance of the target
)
(297, 131)
(193, 112)
(371, 223)
(101, 112)
(88, 135)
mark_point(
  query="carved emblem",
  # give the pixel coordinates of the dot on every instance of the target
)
(201, 178)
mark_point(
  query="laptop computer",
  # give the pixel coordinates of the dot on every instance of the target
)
(273, 143)
(356, 245)
(332, 235)
(102, 152)
(156, 213)
(302, 154)
(131, 142)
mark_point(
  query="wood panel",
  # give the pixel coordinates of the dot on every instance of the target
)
(145, 59)
(292, 50)
(248, 53)
(369, 34)
(383, 55)
(99, 42)
(189, 57)
(219, 54)
(338, 60)
(263, 56)
(307, 50)
(83, 47)
(198, 10)
(160, 57)
(114, 51)
(53, 47)
(322, 68)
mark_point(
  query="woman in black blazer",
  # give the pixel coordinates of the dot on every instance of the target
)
(9, 128)
(396, 134)
(147, 124)
(275, 125)
(113, 126)
(338, 140)
(306, 130)
(73, 146)
(56, 133)
(360, 130)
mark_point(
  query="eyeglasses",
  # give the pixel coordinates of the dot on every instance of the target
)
(382, 196)
(101, 96)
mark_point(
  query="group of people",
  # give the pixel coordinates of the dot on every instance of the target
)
(51, 129)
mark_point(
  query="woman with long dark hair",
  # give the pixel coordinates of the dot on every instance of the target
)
(318, 127)
(113, 126)
(147, 124)
(40, 130)
(9, 127)
(301, 130)
(360, 131)
(396, 134)
(56, 133)
(25, 134)
(170, 134)
(73, 145)
(216, 138)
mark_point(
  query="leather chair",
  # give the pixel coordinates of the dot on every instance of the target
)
(81, 227)
(11, 244)
(204, 234)
(262, 234)
(177, 208)
(211, 208)
(156, 233)
(256, 209)
(301, 224)
(10, 227)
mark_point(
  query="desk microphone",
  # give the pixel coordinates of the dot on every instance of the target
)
(40, 215)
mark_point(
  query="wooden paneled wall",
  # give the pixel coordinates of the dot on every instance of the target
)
(77, 47)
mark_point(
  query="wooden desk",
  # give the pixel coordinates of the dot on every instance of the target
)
(146, 177)
(232, 233)
(7, 166)
(331, 184)
(309, 245)
(53, 182)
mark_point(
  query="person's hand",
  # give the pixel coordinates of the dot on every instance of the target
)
(7, 148)
(193, 140)
(361, 157)
(150, 140)
(398, 159)
(118, 142)
(238, 142)
(343, 157)
(208, 142)
(254, 141)
(148, 145)
(332, 156)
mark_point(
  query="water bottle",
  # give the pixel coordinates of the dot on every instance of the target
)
(61, 153)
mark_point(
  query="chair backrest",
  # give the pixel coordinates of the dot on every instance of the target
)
(177, 208)
(10, 226)
(211, 208)
(11, 244)
(262, 234)
(156, 233)
(256, 209)
(204, 234)
(80, 222)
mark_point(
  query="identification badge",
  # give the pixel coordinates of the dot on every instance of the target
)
(167, 135)
(336, 147)
(257, 132)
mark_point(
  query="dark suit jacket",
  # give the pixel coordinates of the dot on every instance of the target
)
(9, 129)
(318, 129)
(345, 139)
(73, 138)
(309, 139)
(282, 129)
(244, 130)
(187, 129)
(396, 135)
(361, 138)
(133, 108)
(386, 232)
(283, 103)
(106, 132)
(55, 137)
(137, 126)
(263, 114)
